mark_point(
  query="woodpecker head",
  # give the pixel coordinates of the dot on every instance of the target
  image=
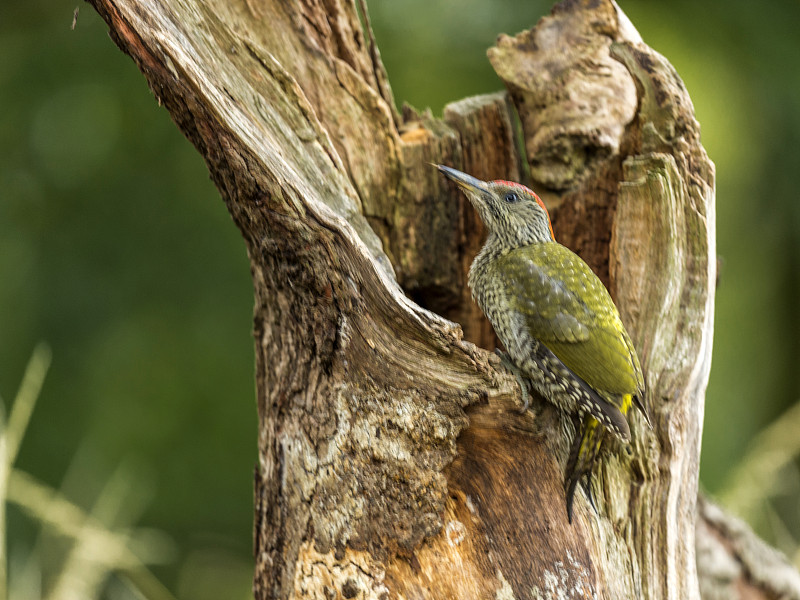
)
(512, 212)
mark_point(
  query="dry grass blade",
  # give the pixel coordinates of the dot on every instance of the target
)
(88, 564)
(109, 550)
(4, 470)
(26, 399)
(758, 475)
(97, 550)
(11, 434)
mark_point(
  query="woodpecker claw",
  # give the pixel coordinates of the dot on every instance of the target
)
(518, 375)
(525, 398)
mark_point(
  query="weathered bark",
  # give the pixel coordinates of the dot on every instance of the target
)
(733, 563)
(393, 463)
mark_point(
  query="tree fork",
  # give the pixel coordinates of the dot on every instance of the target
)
(391, 460)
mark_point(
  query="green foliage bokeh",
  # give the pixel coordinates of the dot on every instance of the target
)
(116, 249)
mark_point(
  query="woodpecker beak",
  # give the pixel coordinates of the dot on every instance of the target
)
(468, 183)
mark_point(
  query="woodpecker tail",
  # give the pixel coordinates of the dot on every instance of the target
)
(583, 455)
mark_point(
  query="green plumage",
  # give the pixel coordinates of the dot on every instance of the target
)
(562, 303)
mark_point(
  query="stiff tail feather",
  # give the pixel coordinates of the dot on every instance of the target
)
(583, 456)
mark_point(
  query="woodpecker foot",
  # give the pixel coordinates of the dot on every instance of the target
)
(517, 374)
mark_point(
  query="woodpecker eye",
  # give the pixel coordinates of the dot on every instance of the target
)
(511, 197)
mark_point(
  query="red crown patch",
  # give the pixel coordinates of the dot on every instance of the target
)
(532, 193)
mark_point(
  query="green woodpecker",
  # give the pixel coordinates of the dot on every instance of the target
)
(559, 326)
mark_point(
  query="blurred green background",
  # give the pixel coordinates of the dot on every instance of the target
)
(117, 251)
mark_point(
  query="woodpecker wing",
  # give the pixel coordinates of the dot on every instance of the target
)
(564, 305)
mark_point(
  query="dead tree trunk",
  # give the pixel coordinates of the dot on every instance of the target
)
(393, 462)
